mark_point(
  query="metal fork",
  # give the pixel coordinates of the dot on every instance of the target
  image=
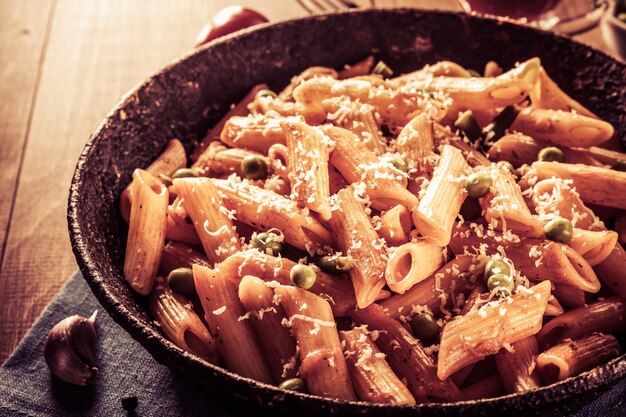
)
(321, 6)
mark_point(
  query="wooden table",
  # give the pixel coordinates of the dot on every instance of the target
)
(63, 65)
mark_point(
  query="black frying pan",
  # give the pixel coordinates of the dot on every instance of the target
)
(188, 97)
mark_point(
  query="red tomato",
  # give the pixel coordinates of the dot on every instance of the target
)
(228, 20)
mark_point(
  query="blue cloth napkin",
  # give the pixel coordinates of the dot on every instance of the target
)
(28, 389)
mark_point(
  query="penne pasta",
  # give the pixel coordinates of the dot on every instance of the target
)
(237, 343)
(266, 209)
(485, 330)
(256, 133)
(435, 292)
(364, 246)
(372, 378)
(363, 67)
(218, 159)
(536, 259)
(323, 365)
(416, 145)
(517, 367)
(571, 358)
(267, 317)
(146, 231)
(337, 291)
(212, 223)
(590, 182)
(504, 206)
(601, 316)
(179, 255)
(383, 183)
(562, 128)
(180, 323)
(171, 159)
(407, 357)
(413, 262)
(593, 246)
(308, 167)
(360, 119)
(311, 72)
(395, 225)
(437, 210)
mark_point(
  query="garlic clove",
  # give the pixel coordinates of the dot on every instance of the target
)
(69, 350)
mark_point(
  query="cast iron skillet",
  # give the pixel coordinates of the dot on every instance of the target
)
(189, 96)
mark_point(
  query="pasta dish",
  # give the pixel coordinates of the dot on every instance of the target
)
(436, 236)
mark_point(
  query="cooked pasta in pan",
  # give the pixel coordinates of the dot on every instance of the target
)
(362, 237)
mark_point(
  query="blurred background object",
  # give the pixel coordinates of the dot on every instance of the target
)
(614, 28)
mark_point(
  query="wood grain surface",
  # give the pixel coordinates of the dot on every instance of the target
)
(63, 65)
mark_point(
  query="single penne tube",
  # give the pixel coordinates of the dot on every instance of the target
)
(562, 128)
(278, 157)
(338, 291)
(372, 378)
(395, 225)
(311, 72)
(364, 246)
(383, 183)
(179, 255)
(477, 93)
(416, 145)
(552, 97)
(606, 156)
(596, 185)
(146, 231)
(167, 163)
(520, 149)
(358, 118)
(179, 230)
(437, 210)
(180, 323)
(218, 159)
(571, 358)
(612, 271)
(527, 71)
(487, 387)
(240, 109)
(362, 67)
(308, 167)
(537, 259)
(238, 345)
(212, 222)
(407, 356)
(266, 318)
(412, 263)
(486, 329)
(435, 292)
(594, 246)
(323, 365)
(256, 132)
(438, 69)
(505, 208)
(517, 367)
(606, 316)
(395, 106)
(265, 209)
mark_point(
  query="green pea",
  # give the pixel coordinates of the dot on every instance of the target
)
(185, 173)
(254, 167)
(497, 266)
(294, 384)
(382, 69)
(502, 122)
(302, 276)
(502, 284)
(265, 93)
(559, 230)
(466, 123)
(180, 280)
(478, 183)
(508, 167)
(334, 264)
(619, 166)
(425, 328)
(397, 162)
(267, 242)
(550, 154)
